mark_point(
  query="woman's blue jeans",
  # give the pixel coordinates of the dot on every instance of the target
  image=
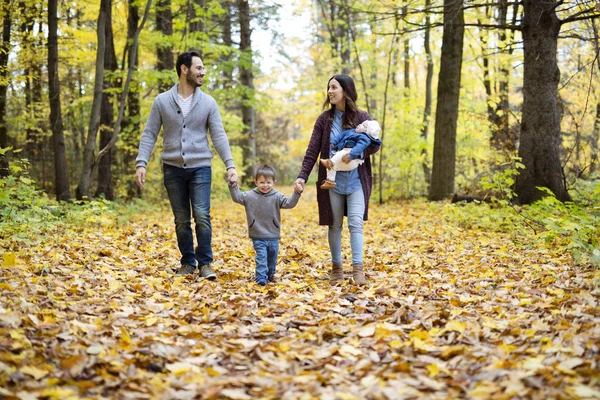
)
(355, 204)
(189, 194)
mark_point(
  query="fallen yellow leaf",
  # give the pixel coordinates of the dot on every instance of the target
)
(36, 373)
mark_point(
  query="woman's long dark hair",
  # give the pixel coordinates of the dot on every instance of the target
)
(349, 89)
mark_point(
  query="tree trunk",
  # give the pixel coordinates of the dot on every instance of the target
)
(406, 57)
(390, 72)
(27, 55)
(328, 12)
(373, 63)
(131, 123)
(484, 36)
(596, 132)
(61, 176)
(125, 92)
(502, 138)
(346, 36)
(105, 184)
(164, 50)
(85, 181)
(428, 95)
(247, 80)
(594, 141)
(4, 51)
(540, 126)
(446, 115)
(335, 17)
(73, 116)
(226, 66)
(196, 23)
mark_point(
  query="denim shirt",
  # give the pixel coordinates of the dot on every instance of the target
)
(346, 182)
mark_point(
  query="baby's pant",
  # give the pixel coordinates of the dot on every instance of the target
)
(339, 165)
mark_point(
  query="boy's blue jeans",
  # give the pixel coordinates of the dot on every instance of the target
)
(189, 194)
(266, 258)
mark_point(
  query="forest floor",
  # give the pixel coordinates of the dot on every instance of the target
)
(450, 311)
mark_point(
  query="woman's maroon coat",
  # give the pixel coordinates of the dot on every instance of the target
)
(319, 145)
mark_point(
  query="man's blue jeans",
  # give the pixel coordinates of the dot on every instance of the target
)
(266, 258)
(189, 188)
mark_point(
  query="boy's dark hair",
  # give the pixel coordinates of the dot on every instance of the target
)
(265, 170)
(185, 59)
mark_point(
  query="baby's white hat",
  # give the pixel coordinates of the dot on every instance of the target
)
(372, 128)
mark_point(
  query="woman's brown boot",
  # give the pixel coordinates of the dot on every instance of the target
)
(358, 274)
(337, 273)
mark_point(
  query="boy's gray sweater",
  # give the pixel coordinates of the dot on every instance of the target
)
(185, 139)
(263, 211)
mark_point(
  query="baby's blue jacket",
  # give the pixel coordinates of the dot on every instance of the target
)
(358, 141)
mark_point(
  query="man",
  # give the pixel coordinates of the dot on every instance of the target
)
(186, 113)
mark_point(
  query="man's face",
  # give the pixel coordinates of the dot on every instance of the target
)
(196, 72)
(264, 184)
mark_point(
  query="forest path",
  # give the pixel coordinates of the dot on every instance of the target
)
(450, 311)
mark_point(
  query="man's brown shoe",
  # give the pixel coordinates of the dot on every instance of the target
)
(327, 184)
(327, 163)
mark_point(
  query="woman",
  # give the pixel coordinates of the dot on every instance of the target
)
(353, 188)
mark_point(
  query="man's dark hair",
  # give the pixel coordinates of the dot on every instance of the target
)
(265, 170)
(185, 59)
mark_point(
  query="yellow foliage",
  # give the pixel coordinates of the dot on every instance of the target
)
(447, 312)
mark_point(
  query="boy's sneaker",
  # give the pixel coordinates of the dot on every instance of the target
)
(262, 281)
(206, 271)
(271, 278)
(186, 269)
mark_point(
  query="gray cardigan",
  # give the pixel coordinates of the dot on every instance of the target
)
(185, 139)
(263, 211)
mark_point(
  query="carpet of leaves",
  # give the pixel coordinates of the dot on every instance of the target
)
(96, 312)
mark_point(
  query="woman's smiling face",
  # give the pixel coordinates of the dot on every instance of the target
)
(336, 95)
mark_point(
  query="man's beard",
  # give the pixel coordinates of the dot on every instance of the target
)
(191, 81)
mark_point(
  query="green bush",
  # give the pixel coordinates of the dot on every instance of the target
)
(24, 210)
(572, 226)
(27, 213)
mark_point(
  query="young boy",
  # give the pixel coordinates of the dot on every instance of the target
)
(263, 205)
(351, 143)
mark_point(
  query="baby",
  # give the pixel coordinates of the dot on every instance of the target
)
(351, 143)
